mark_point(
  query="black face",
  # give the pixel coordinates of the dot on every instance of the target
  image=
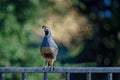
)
(46, 32)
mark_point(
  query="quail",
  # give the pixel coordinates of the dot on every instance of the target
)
(49, 48)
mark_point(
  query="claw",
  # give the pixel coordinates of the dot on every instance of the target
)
(45, 67)
(51, 68)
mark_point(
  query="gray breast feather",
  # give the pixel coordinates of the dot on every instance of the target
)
(48, 42)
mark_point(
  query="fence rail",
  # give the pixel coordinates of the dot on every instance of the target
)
(67, 70)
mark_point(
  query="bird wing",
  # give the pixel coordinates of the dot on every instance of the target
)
(49, 42)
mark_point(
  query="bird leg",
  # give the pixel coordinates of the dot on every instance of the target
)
(46, 65)
(51, 65)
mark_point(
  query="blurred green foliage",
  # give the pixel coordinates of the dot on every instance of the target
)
(19, 46)
(16, 37)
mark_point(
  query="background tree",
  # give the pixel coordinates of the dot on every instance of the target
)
(105, 14)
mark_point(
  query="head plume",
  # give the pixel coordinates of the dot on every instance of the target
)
(46, 30)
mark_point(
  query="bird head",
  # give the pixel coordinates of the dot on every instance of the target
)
(46, 30)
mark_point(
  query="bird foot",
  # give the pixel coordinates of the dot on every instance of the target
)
(45, 67)
(52, 68)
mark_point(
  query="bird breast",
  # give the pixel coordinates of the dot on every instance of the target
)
(48, 52)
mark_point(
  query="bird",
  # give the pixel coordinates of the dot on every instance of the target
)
(49, 48)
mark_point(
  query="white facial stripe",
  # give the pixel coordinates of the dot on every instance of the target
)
(46, 28)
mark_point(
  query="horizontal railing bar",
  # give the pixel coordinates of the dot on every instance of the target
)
(61, 69)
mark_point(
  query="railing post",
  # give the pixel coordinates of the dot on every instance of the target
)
(67, 76)
(45, 76)
(2, 76)
(89, 76)
(24, 76)
(110, 76)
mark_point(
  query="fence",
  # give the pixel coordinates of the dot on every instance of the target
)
(67, 70)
